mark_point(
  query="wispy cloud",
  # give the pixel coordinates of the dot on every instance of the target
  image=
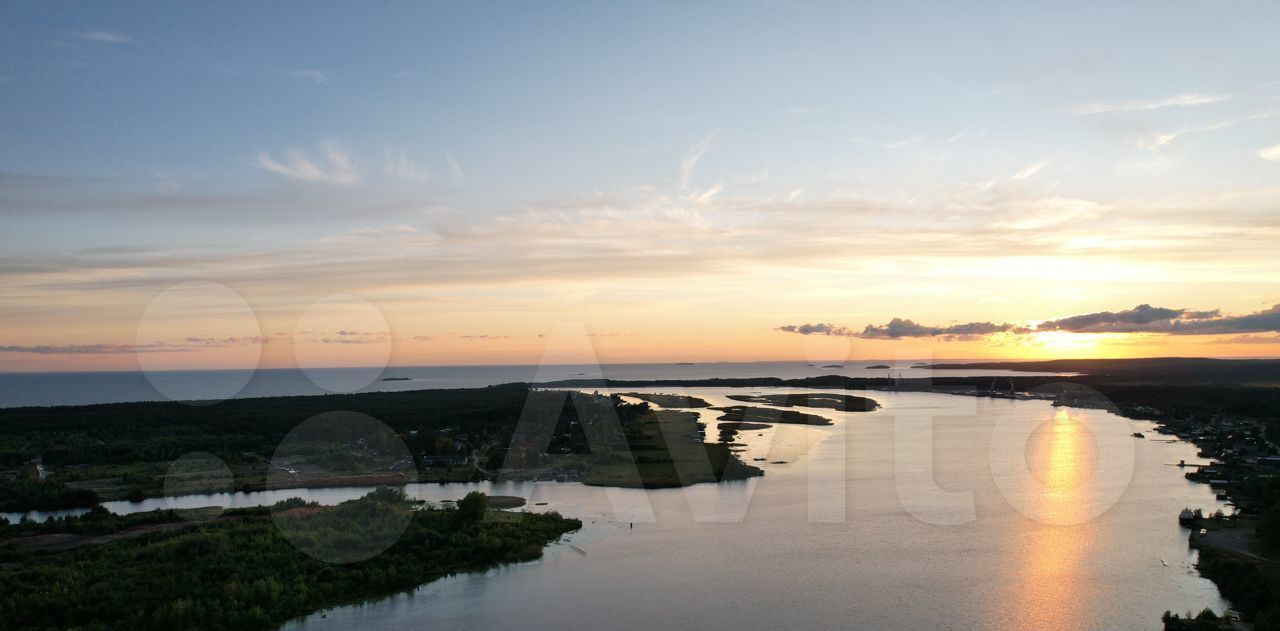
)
(93, 349)
(335, 167)
(1181, 100)
(1029, 171)
(104, 37)
(706, 196)
(454, 167)
(353, 340)
(1270, 154)
(207, 342)
(1249, 339)
(692, 157)
(904, 143)
(310, 75)
(401, 166)
(1160, 139)
(959, 135)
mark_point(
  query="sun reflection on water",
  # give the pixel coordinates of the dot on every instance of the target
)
(1050, 589)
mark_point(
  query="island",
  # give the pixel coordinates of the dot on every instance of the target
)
(757, 416)
(250, 574)
(879, 367)
(668, 400)
(848, 403)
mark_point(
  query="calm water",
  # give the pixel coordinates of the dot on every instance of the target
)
(83, 388)
(851, 532)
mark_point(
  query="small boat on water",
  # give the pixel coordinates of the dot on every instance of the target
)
(1186, 517)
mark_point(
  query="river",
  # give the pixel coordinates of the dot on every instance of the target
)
(934, 512)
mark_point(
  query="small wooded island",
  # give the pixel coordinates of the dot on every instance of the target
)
(845, 402)
(246, 569)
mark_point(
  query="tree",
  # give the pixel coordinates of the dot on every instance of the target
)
(473, 506)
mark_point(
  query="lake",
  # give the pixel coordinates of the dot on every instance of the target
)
(934, 512)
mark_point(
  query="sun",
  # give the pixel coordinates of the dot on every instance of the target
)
(1063, 342)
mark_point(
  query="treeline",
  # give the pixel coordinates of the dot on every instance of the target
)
(27, 494)
(242, 572)
(98, 521)
(163, 431)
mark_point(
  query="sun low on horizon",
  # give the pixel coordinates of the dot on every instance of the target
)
(863, 184)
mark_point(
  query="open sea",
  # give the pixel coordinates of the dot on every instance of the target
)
(85, 388)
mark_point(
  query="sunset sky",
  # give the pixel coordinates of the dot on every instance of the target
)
(188, 187)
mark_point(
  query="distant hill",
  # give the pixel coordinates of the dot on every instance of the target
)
(1171, 370)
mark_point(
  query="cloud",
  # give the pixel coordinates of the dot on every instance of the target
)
(692, 157)
(1181, 100)
(352, 340)
(401, 166)
(228, 341)
(706, 196)
(1143, 318)
(453, 167)
(1113, 321)
(942, 241)
(485, 336)
(104, 37)
(958, 135)
(1270, 154)
(1159, 140)
(1046, 212)
(335, 167)
(94, 349)
(904, 143)
(187, 344)
(820, 328)
(900, 328)
(1249, 339)
(318, 77)
(1029, 171)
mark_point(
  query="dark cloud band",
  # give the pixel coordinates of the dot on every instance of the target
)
(1143, 318)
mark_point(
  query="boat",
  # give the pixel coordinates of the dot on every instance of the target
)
(1186, 517)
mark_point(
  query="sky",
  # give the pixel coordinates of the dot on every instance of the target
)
(214, 185)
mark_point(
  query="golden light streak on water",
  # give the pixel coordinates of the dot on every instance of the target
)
(1052, 586)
